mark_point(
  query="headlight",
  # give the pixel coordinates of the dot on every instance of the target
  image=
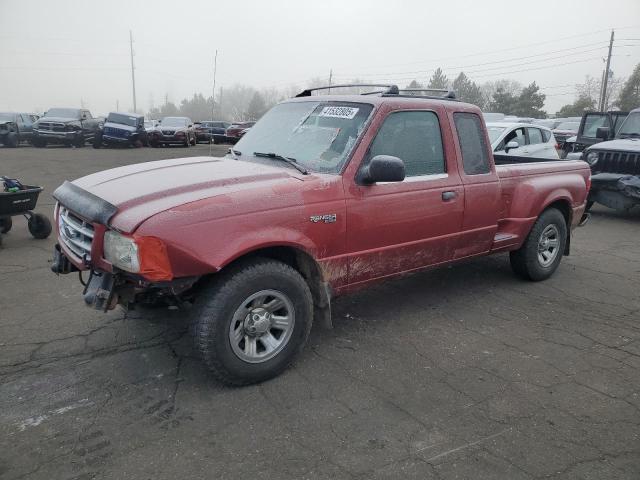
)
(146, 256)
(121, 251)
(592, 158)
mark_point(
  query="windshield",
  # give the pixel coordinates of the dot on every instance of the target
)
(6, 116)
(319, 135)
(174, 122)
(123, 119)
(494, 133)
(573, 126)
(63, 112)
(631, 125)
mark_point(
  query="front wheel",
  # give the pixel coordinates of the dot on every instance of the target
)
(39, 226)
(12, 140)
(542, 251)
(5, 224)
(255, 319)
(39, 143)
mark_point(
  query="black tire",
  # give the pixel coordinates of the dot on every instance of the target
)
(12, 140)
(194, 142)
(39, 226)
(225, 295)
(5, 224)
(589, 205)
(39, 143)
(79, 142)
(97, 141)
(526, 261)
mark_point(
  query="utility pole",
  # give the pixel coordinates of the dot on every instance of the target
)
(133, 75)
(117, 105)
(603, 100)
(213, 95)
(330, 78)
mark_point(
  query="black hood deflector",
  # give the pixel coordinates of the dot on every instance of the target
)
(85, 204)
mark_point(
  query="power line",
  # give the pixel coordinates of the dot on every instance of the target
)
(453, 70)
(603, 45)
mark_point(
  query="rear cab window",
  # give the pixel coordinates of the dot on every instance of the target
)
(471, 137)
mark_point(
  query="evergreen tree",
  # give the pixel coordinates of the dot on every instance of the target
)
(530, 102)
(629, 97)
(503, 102)
(438, 80)
(468, 91)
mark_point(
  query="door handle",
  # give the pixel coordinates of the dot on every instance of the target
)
(450, 195)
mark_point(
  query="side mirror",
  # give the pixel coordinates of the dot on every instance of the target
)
(602, 133)
(511, 145)
(383, 168)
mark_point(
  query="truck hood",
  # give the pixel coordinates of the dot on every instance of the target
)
(619, 145)
(143, 190)
(57, 119)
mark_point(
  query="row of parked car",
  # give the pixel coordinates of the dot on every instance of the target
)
(77, 126)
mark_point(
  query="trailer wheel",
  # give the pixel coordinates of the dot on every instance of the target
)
(39, 226)
(542, 251)
(5, 224)
(253, 321)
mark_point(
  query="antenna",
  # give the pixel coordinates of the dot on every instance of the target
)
(213, 96)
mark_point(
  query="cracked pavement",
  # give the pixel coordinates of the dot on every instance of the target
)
(468, 373)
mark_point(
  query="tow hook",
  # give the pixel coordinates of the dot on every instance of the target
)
(99, 292)
(60, 263)
(585, 218)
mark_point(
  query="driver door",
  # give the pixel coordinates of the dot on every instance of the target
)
(395, 227)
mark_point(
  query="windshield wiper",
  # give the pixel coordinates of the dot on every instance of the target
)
(633, 134)
(282, 158)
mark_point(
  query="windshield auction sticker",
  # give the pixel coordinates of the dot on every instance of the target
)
(339, 112)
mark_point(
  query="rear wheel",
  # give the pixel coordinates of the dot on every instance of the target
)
(542, 251)
(5, 224)
(255, 319)
(39, 226)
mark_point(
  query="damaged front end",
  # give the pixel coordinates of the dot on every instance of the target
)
(122, 269)
(616, 191)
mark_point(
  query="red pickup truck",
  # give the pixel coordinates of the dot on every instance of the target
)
(325, 195)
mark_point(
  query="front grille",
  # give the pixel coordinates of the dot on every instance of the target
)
(169, 133)
(618, 162)
(115, 132)
(51, 126)
(75, 233)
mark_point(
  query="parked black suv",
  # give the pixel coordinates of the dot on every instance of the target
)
(16, 128)
(589, 125)
(125, 129)
(67, 126)
(615, 165)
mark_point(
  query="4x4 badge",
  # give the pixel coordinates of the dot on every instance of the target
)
(328, 218)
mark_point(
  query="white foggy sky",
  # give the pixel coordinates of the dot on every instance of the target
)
(55, 53)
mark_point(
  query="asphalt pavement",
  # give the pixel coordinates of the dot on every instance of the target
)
(464, 372)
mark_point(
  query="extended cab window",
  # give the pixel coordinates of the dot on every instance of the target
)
(415, 138)
(475, 159)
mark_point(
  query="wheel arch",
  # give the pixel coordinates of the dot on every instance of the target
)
(303, 262)
(563, 205)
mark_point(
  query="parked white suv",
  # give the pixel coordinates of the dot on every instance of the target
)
(521, 139)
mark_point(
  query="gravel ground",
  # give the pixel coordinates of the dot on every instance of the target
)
(467, 373)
